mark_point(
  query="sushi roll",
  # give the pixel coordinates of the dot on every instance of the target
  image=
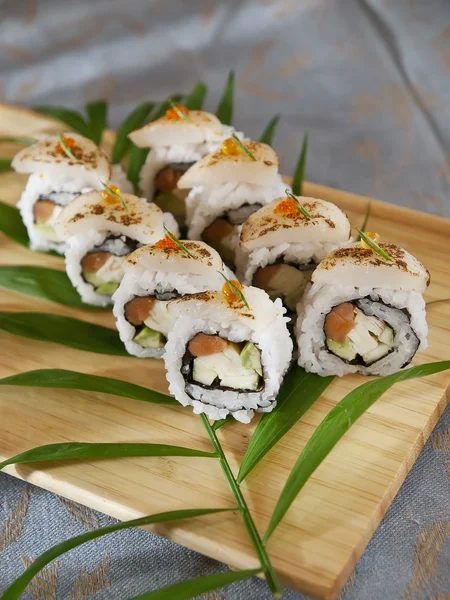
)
(55, 179)
(154, 277)
(363, 313)
(177, 140)
(223, 357)
(227, 187)
(280, 246)
(101, 229)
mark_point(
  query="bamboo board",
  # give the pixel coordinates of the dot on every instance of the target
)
(326, 530)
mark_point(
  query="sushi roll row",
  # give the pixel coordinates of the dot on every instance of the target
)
(227, 341)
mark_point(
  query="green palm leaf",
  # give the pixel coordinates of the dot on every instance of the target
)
(269, 132)
(225, 109)
(97, 112)
(297, 394)
(71, 380)
(5, 165)
(297, 182)
(135, 119)
(196, 98)
(63, 330)
(11, 224)
(72, 118)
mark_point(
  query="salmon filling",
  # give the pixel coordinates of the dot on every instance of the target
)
(284, 281)
(214, 362)
(167, 196)
(152, 319)
(46, 210)
(354, 336)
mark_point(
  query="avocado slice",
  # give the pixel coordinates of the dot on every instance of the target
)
(47, 231)
(107, 289)
(251, 358)
(169, 202)
(149, 338)
(202, 374)
(387, 336)
(92, 278)
(344, 351)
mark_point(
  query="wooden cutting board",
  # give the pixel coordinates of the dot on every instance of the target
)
(326, 530)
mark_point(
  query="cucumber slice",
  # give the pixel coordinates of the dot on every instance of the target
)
(149, 338)
(107, 289)
(387, 337)
(344, 351)
(47, 232)
(251, 358)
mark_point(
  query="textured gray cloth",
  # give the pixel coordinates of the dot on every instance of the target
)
(370, 82)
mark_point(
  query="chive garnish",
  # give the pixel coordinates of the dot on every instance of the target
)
(301, 209)
(115, 195)
(179, 112)
(236, 291)
(373, 245)
(67, 151)
(177, 242)
(241, 146)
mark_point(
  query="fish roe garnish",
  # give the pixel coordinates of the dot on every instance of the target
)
(69, 142)
(228, 293)
(111, 198)
(373, 235)
(230, 148)
(174, 112)
(287, 208)
(166, 242)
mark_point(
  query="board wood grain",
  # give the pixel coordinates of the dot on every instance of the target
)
(326, 530)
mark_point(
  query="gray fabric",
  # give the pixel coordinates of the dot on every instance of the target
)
(370, 82)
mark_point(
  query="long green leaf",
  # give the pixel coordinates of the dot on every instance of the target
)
(5, 165)
(17, 140)
(42, 282)
(86, 451)
(334, 426)
(225, 109)
(15, 590)
(193, 587)
(221, 422)
(297, 394)
(71, 380)
(63, 330)
(98, 115)
(134, 120)
(196, 98)
(269, 132)
(297, 182)
(71, 118)
(11, 224)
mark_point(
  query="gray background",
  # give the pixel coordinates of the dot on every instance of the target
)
(369, 81)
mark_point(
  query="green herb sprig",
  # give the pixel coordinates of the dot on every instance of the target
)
(373, 245)
(115, 195)
(301, 209)
(241, 146)
(236, 291)
(67, 151)
(179, 112)
(177, 242)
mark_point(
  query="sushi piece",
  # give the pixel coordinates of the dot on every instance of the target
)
(55, 179)
(363, 313)
(280, 246)
(177, 140)
(223, 357)
(101, 229)
(154, 277)
(227, 187)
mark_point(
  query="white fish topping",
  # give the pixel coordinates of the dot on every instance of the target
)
(353, 265)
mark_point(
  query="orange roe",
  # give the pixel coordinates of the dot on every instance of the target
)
(69, 142)
(110, 198)
(228, 293)
(166, 242)
(287, 208)
(230, 148)
(173, 113)
(373, 236)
